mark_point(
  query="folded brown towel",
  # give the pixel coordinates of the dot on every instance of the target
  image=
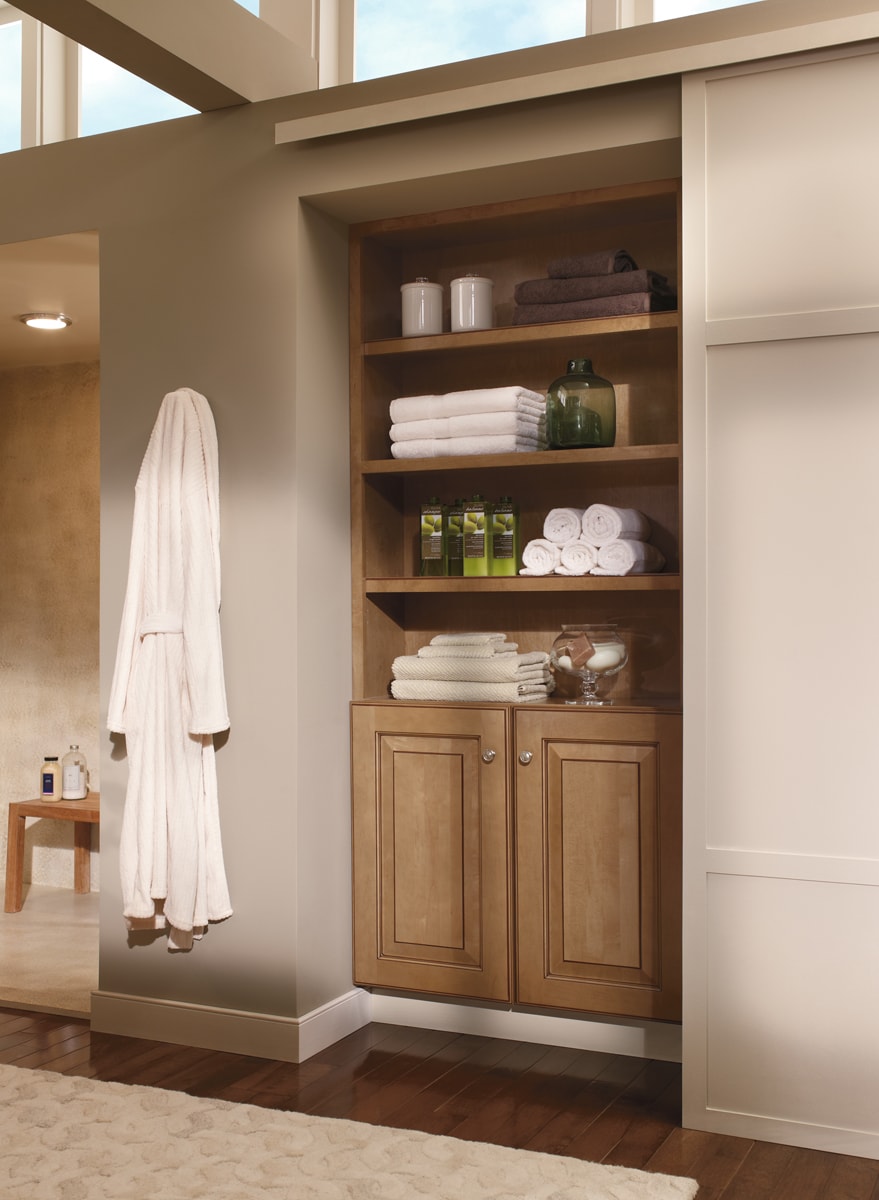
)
(602, 306)
(587, 287)
(598, 262)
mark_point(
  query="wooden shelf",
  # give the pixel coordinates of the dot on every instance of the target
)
(518, 335)
(522, 461)
(667, 582)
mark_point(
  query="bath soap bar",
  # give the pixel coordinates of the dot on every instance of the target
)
(605, 658)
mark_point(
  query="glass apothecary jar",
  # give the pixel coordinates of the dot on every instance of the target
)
(591, 655)
(580, 409)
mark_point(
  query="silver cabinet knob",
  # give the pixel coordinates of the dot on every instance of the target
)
(525, 757)
(489, 756)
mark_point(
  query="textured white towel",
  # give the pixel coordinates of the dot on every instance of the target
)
(501, 668)
(602, 523)
(467, 638)
(577, 558)
(473, 425)
(488, 651)
(563, 524)
(500, 443)
(628, 557)
(476, 400)
(540, 557)
(450, 689)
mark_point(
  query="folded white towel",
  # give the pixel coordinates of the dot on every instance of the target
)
(496, 648)
(563, 524)
(501, 443)
(628, 557)
(450, 689)
(476, 400)
(501, 668)
(602, 523)
(467, 638)
(473, 425)
(540, 557)
(576, 558)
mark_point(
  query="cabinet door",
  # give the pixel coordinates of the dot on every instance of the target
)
(598, 861)
(431, 890)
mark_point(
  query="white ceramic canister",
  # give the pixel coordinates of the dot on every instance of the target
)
(422, 307)
(472, 303)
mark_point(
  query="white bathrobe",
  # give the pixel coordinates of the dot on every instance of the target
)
(168, 695)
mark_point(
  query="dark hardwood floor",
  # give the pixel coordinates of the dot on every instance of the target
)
(590, 1105)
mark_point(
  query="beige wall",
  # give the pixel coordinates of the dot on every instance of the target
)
(49, 515)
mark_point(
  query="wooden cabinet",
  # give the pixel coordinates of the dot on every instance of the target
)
(598, 847)
(594, 857)
(431, 849)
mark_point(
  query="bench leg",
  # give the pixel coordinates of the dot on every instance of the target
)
(82, 848)
(14, 862)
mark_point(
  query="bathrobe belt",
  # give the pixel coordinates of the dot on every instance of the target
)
(161, 622)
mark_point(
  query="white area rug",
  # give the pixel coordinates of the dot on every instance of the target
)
(64, 1138)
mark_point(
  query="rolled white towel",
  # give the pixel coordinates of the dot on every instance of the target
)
(540, 557)
(502, 668)
(486, 651)
(577, 558)
(498, 443)
(563, 524)
(602, 523)
(628, 557)
(451, 689)
(473, 425)
(475, 400)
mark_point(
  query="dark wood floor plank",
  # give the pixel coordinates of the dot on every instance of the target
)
(599, 1138)
(710, 1158)
(852, 1179)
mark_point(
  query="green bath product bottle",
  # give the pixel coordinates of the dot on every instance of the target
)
(477, 546)
(433, 541)
(505, 537)
(455, 538)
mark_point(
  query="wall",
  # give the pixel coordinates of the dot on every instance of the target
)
(49, 514)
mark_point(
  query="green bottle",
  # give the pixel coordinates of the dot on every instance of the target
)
(455, 538)
(433, 541)
(505, 537)
(477, 515)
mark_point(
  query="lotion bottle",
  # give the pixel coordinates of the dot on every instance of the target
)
(50, 778)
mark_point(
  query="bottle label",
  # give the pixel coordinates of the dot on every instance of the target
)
(431, 532)
(503, 531)
(71, 780)
(48, 783)
(455, 534)
(474, 531)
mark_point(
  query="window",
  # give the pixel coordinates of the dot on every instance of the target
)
(113, 98)
(397, 35)
(10, 85)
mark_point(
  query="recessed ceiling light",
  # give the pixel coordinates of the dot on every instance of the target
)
(46, 320)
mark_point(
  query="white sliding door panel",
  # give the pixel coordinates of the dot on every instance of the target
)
(781, 600)
(792, 578)
(788, 999)
(791, 189)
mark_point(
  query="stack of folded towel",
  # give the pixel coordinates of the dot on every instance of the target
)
(472, 666)
(605, 283)
(598, 540)
(480, 421)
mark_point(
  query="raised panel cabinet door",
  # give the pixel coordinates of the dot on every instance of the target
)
(431, 863)
(598, 829)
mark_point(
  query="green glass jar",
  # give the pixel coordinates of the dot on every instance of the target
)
(580, 409)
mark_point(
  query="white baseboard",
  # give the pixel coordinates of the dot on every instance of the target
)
(263, 1035)
(641, 1039)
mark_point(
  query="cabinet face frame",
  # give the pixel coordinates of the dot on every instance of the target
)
(598, 831)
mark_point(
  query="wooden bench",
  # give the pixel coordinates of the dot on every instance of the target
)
(83, 813)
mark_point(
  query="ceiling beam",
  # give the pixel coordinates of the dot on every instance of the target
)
(208, 53)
